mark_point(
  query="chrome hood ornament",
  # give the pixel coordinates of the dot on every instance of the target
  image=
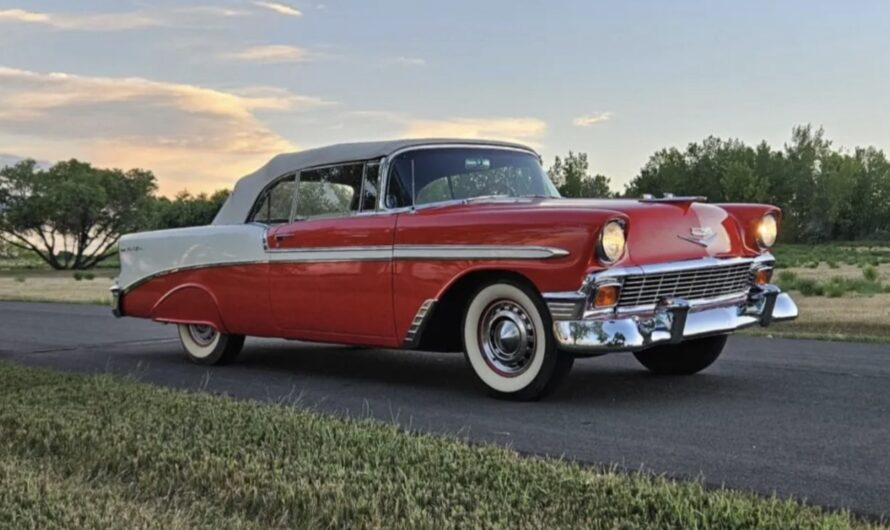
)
(700, 235)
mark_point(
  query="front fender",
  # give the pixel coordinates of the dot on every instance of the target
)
(746, 217)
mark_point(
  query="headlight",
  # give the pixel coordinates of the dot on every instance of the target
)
(612, 241)
(767, 230)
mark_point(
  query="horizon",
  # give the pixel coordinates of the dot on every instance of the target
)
(202, 93)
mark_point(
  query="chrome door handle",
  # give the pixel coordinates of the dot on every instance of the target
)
(281, 237)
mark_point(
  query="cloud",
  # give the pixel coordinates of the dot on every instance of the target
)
(409, 61)
(188, 134)
(523, 130)
(590, 119)
(20, 15)
(11, 160)
(281, 9)
(276, 53)
(92, 22)
(215, 11)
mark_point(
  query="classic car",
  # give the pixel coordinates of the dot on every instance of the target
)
(457, 245)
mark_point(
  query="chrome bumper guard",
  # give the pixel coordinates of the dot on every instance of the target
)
(116, 295)
(672, 322)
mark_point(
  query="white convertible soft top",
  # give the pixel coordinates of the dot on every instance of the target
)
(237, 207)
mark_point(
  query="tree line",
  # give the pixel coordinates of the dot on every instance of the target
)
(826, 194)
(72, 214)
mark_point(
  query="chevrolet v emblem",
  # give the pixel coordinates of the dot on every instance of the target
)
(700, 235)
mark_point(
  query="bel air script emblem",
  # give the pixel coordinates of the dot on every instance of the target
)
(700, 235)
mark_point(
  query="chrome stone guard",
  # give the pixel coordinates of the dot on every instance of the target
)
(671, 321)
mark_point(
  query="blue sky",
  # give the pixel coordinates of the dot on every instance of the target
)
(202, 92)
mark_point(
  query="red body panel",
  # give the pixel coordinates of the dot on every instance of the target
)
(374, 301)
(240, 293)
(323, 296)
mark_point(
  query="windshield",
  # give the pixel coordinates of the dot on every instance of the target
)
(444, 174)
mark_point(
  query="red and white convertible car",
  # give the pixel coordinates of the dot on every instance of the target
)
(457, 245)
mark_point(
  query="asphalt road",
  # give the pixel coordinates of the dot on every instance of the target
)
(806, 419)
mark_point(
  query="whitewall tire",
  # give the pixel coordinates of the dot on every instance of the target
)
(205, 345)
(509, 344)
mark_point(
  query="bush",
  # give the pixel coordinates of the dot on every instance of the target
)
(78, 276)
(835, 290)
(809, 287)
(870, 273)
(89, 276)
(20, 279)
(787, 280)
(787, 276)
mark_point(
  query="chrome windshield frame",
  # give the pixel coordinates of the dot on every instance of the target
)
(387, 162)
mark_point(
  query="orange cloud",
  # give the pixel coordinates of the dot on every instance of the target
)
(91, 22)
(590, 119)
(521, 130)
(281, 9)
(191, 136)
(276, 53)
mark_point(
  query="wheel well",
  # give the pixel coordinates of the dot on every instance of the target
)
(442, 331)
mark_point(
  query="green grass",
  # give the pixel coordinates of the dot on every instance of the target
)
(99, 452)
(852, 253)
(835, 286)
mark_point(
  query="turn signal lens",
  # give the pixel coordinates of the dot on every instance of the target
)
(612, 241)
(763, 276)
(767, 230)
(606, 296)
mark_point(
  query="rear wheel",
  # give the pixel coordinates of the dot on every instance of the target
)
(205, 345)
(509, 343)
(686, 358)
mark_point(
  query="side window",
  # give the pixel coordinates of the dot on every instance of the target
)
(371, 188)
(330, 191)
(274, 206)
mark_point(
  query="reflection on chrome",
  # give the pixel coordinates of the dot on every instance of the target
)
(672, 322)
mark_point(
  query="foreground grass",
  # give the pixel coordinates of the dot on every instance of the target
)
(97, 452)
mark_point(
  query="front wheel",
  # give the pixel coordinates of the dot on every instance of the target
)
(686, 358)
(509, 343)
(205, 345)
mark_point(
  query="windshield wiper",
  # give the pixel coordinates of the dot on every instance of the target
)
(488, 197)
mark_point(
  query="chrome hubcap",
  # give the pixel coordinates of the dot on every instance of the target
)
(202, 335)
(507, 338)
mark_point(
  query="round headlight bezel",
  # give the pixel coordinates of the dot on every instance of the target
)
(766, 238)
(607, 231)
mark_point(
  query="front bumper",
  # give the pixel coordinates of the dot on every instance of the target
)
(673, 321)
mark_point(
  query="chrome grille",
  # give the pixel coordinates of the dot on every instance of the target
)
(691, 284)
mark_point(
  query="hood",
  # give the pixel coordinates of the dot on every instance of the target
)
(656, 231)
(668, 231)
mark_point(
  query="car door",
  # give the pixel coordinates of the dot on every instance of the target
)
(331, 267)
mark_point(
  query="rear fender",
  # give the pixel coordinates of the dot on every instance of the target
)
(189, 303)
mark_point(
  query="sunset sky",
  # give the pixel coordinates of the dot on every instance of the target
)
(202, 92)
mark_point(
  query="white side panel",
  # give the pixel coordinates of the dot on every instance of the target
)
(145, 254)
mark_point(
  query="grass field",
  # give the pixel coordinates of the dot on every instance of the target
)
(56, 286)
(98, 452)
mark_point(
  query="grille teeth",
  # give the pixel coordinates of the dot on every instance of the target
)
(692, 284)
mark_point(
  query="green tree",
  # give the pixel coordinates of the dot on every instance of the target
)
(825, 193)
(572, 178)
(72, 214)
(187, 210)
